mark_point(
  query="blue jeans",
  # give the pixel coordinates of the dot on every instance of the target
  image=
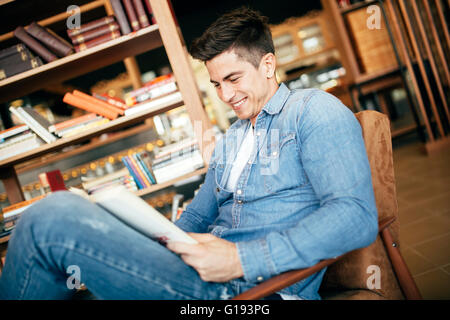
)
(64, 238)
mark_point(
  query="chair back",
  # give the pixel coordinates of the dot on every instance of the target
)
(367, 273)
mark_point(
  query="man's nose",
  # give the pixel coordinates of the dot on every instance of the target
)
(227, 93)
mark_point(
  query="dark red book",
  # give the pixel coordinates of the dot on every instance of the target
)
(54, 179)
(131, 14)
(90, 26)
(97, 41)
(95, 33)
(34, 45)
(120, 15)
(61, 47)
(141, 15)
(150, 11)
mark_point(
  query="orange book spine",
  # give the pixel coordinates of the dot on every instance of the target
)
(72, 122)
(98, 101)
(22, 204)
(81, 103)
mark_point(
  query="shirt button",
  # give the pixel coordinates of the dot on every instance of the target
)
(239, 191)
(258, 134)
(239, 201)
(274, 153)
(260, 278)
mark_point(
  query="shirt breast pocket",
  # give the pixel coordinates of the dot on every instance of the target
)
(280, 165)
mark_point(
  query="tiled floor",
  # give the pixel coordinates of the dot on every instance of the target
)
(423, 193)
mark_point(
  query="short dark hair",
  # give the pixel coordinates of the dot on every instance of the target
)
(244, 30)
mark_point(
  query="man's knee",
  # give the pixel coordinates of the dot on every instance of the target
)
(58, 208)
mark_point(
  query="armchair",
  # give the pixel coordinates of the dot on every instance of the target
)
(347, 276)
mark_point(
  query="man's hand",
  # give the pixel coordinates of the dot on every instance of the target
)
(215, 259)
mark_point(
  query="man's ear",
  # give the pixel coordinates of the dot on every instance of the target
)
(269, 64)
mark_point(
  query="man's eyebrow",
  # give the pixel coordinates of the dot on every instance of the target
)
(228, 76)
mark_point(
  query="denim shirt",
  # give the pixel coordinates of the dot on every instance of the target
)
(305, 194)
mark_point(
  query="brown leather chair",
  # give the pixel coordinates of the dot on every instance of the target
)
(347, 276)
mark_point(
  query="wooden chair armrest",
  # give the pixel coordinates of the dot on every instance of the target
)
(288, 278)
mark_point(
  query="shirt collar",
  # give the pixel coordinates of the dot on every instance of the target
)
(276, 103)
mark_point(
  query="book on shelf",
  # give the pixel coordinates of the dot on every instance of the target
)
(134, 173)
(157, 87)
(11, 213)
(89, 106)
(138, 214)
(140, 170)
(145, 160)
(12, 69)
(150, 11)
(34, 45)
(111, 100)
(175, 148)
(10, 132)
(100, 102)
(91, 25)
(74, 130)
(17, 48)
(121, 176)
(17, 57)
(53, 180)
(131, 14)
(18, 144)
(94, 33)
(35, 122)
(121, 17)
(53, 42)
(178, 166)
(154, 104)
(72, 122)
(140, 12)
(99, 40)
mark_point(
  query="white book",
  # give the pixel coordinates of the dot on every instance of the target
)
(33, 124)
(153, 104)
(137, 213)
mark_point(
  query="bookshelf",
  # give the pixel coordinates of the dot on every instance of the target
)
(165, 34)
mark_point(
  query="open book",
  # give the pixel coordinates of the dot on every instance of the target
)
(137, 213)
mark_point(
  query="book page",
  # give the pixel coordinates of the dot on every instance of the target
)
(137, 213)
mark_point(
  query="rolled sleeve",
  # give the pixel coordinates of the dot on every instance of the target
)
(256, 260)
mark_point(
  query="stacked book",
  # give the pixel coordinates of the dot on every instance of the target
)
(16, 140)
(77, 125)
(17, 59)
(43, 42)
(121, 177)
(94, 33)
(132, 15)
(36, 122)
(153, 94)
(92, 104)
(11, 214)
(177, 159)
(140, 168)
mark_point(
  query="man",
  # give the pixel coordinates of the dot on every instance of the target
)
(287, 186)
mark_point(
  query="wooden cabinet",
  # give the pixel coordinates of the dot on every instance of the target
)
(165, 33)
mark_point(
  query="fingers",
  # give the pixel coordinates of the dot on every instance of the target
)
(202, 237)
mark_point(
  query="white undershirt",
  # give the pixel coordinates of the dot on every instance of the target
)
(245, 150)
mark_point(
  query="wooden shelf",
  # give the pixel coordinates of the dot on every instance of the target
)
(58, 156)
(166, 184)
(88, 134)
(80, 63)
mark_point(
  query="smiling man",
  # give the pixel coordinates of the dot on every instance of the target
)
(287, 186)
